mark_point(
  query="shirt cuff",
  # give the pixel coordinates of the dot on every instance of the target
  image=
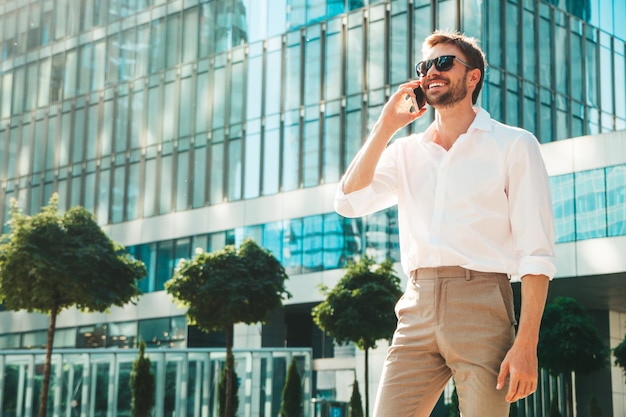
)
(537, 265)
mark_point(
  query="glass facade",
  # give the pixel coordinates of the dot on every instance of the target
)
(302, 245)
(590, 204)
(135, 109)
(96, 383)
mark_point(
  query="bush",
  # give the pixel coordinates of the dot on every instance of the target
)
(356, 406)
(142, 384)
(291, 405)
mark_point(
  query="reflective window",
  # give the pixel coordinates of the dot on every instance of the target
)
(149, 191)
(291, 152)
(271, 156)
(219, 93)
(182, 175)
(311, 147)
(590, 204)
(92, 336)
(354, 54)
(166, 180)
(616, 200)
(562, 188)
(10, 341)
(64, 338)
(312, 57)
(293, 67)
(217, 172)
(376, 62)
(235, 167)
(172, 49)
(401, 62)
(199, 172)
(332, 143)
(512, 44)
(157, 45)
(254, 84)
(133, 187)
(252, 165)
(202, 102)
(333, 60)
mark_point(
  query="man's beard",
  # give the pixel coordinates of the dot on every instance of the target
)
(455, 93)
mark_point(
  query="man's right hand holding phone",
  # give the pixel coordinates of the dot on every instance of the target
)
(404, 106)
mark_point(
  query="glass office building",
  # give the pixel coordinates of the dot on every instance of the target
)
(189, 123)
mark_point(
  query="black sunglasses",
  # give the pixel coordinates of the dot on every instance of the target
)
(442, 63)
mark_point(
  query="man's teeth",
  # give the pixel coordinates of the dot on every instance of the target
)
(435, 85)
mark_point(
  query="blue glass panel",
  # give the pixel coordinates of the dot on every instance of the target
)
(165, 263)
(590, 204)
(147, 254)
(273, 239)
(562, 188)
(616, 200)
(333, 241)
(312, 243)
(353, 238)
(292, 260)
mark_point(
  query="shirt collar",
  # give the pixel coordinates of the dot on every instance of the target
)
(482, 121)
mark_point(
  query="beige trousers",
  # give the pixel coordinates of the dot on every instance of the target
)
(452, 322)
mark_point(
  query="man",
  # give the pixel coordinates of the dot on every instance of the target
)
(474, 210)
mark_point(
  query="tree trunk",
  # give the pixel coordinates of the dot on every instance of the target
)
(230, 366)
(568, 390)
(43, 403)
(367, 383)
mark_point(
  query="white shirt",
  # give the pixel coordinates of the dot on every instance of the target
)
(484, 205)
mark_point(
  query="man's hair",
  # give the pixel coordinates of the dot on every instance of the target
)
(468, 45)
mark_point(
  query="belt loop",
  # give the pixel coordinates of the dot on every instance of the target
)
(468, 275)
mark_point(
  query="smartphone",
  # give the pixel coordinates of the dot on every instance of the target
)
(419, 97)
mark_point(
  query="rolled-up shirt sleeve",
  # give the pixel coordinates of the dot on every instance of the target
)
(379, 195)
(530, 207)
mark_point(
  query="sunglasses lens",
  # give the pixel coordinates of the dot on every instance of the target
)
(444, 63)
(423, 67)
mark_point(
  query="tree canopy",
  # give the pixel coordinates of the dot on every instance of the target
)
(229, 286)
(360, 308)
(51, 261)
(569, 341)
(225, 287)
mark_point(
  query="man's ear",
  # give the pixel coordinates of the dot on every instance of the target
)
(473, 76)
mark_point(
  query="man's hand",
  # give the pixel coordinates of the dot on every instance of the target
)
(520, 365)
(401, 108)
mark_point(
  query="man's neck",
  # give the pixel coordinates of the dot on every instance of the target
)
(452, 122)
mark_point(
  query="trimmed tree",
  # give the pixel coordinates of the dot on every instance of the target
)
(569, 339)
(51, 261)
(228, 286)
(142, 384)
(360, 308)
(291, 404)
(356, 407)
(570, 342)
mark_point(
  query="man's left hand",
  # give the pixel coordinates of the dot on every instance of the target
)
(520, 365)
